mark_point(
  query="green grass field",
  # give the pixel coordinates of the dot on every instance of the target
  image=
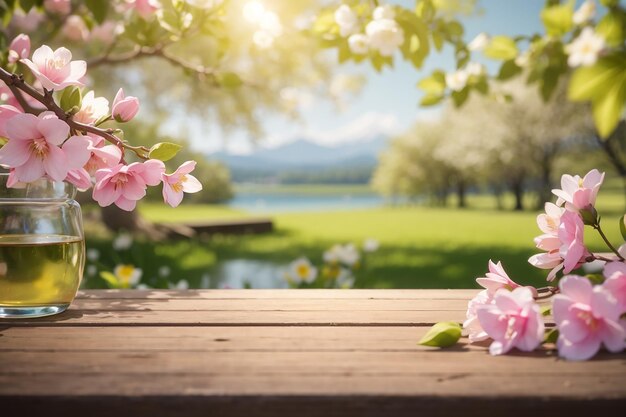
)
(421, 247)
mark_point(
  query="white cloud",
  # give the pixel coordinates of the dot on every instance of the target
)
(364, 127)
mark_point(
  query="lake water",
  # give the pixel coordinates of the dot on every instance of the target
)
(268, 202)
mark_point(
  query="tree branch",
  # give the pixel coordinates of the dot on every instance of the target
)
(17, 85)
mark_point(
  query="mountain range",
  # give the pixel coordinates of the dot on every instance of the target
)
(306, 161)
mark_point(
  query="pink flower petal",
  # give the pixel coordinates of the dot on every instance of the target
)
(192, 185)
(125, 204)
(579, 289)
(170, 196)
(581, 351)
(31, 170)
(604, 304)
(77, 150)
(23, 127)
(613, 335)
(55, 131)
(55, 163)
(15, 153)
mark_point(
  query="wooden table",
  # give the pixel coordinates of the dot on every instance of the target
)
(282, 352)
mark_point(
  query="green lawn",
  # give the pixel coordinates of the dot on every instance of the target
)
(421, 247)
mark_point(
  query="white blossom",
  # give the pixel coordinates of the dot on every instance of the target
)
(475, 69)
(457, 80)
(358, 43)
(479, 43)
(262, 39)
(180, 285)
(164, 271)
(301, 270)
(585, 12)
(92, 108)
(123, 241)
(371, 245)
(384, 12)
(522, 59)
(585, 49)
(347, 20)
(385, 36)
(127, 275)
(93, 254)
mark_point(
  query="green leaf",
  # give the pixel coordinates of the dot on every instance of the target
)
(435, 84)
(26, 5)
(596, 279)
(110, 279)
(70, 98)
(508, 70)
(558, 19)
(622, 226)
(230, 80)
(605, 85)
(551, 336)
(612, 27)
(546, 311)
(459, 97)
(589, 82)
(164, 151)
(609, 3)
(98, 8)
(608, 109)
(442, 334)
(437, 40)
(431, 100)
(502, 48)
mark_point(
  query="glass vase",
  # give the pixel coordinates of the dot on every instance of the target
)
(42, 248)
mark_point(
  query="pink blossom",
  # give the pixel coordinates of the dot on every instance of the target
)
(19, 48)
(75, 29)
(513, 320)
(496, 279)
(615, 283)
(145, 8)
(471, 323)
(102, 156)
(579, 193)
(55, 69)
(571, 235)
(105, 32)
(124, 108)
(565, 251)
(27, 22)
(6, 113)
(6, 96)
(550, 221)
(586, 317)
(34, 148)
(92, 109)
(178, 182)
(80, 178)
(61, 7)
(124, 185)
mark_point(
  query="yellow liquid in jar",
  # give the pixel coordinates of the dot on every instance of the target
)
(39, 270)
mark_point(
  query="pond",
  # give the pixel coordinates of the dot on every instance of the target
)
(273, 202)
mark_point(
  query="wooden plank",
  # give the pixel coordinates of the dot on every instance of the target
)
(306, 405)
(417, 361)
(318, 294)
(140, 317)
(268, 304)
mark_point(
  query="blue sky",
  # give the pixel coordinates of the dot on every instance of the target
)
(388, 102)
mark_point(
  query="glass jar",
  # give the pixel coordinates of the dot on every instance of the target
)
(42, 248)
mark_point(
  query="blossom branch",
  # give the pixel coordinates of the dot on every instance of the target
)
(158, 51)
(17, 85)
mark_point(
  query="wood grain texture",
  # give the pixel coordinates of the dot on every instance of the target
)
(282, 353)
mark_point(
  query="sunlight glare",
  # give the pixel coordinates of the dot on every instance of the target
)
(253, 11)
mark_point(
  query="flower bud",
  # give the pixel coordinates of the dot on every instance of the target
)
(19, 48)
(124, 108)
